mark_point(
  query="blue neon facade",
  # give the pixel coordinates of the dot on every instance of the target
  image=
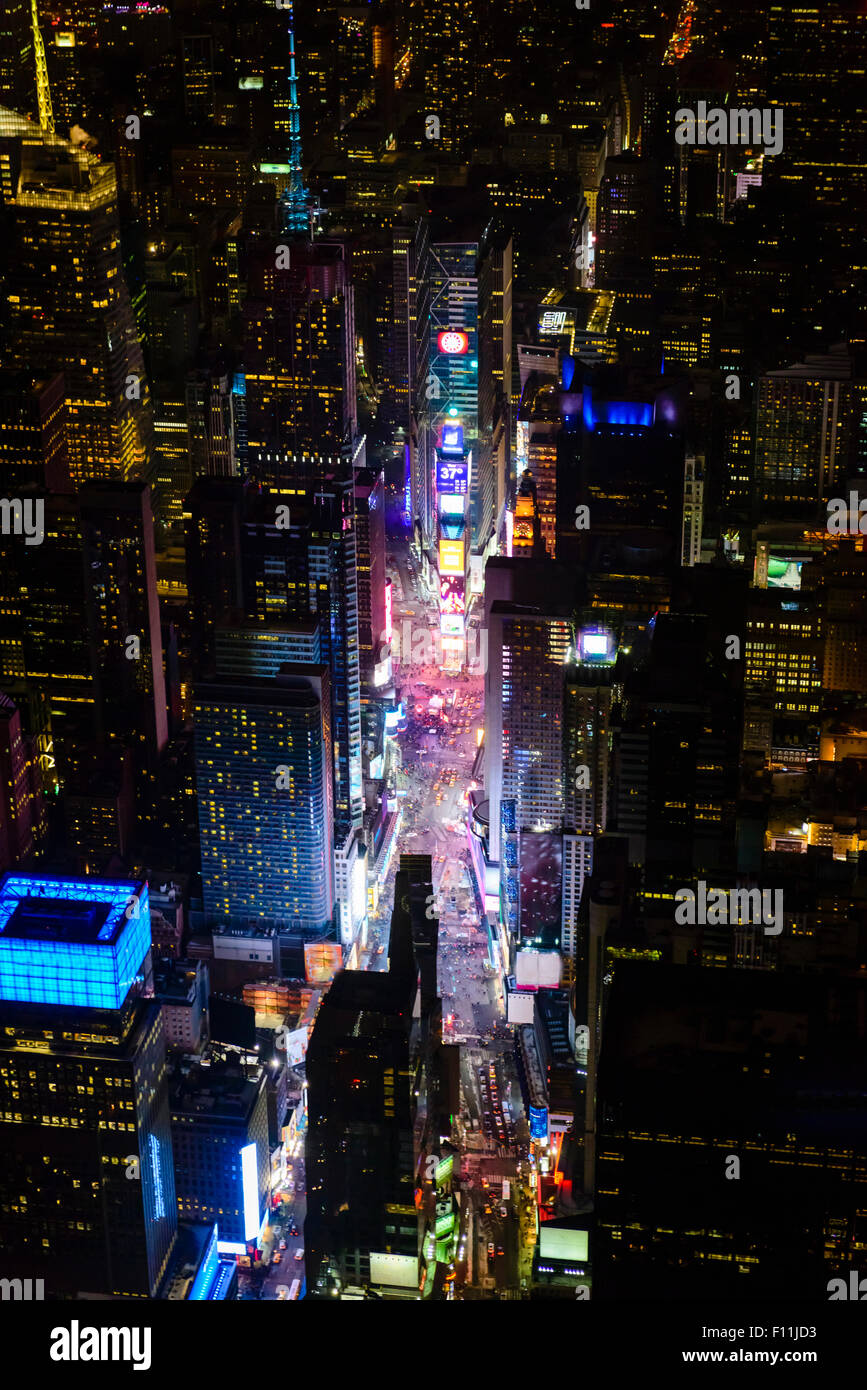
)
(55, 950)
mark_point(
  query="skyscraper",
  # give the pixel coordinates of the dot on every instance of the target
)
(266, 816)
(88, 1193)
(69, 307)
(299, 359)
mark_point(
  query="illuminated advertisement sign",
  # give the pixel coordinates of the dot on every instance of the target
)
(538, 1122)
(598, 645)
(451, 625)
(388, 610)
(453, 439)
(453, 342)
(250, 1184)
(552, 321)
(452, 475)
(451, 557)
(560, 1243)
(452, 596)
(451, 505)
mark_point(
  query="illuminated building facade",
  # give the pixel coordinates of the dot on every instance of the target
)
(299, 361)
(804, 425)
(220, 1145)
(370, 569)
(453, 466)
(524, 692)
(83, 1065)
(70, 310)
(266, 816)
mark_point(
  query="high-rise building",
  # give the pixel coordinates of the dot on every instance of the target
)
(805, 419)
(370, 565)
(220, 1147)
(362, 1226)
(409, 383)
(84, 1065)
(266, 816)
(299, 359)
(32, 443)
(22, 816)
(729, 1094)
(69, 307)
(524, 691)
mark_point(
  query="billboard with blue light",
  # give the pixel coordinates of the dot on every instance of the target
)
(71, 942)
(539, 1122)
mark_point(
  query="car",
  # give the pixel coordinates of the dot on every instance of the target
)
(293, 1230)
(276, 1257)
(299, 1253)
(282, 1245)
(282, 1291)
(490, 1249)
(500, 1250)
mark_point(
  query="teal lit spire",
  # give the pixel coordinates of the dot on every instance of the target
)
(294, 200)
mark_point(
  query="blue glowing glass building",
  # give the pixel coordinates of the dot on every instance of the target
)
(87, 1194)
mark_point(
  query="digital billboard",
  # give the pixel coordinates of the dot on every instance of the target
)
(561, 1243)
(539, 1122)
(452, 595)
(453, 341)
(451, 505)
(398, 1270)
(784, 573)
(451, 557)
(452, 474)
(388, 610)
(451, 625)
(453, 439)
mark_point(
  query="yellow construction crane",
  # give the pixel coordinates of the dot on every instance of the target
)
(43, 93)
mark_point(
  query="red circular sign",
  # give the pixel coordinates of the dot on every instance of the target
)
(452, 341)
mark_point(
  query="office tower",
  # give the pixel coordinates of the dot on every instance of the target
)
(675, 755)
(32, 444)
(17, 85)
(693, 510)
(214, 171)
(22, 816)
(242, 650)
(197, 69)
(494, 466)
(84, 1052)
(447, 46)
(841, 583)
(362, 1227)
(308, 568)
(210, 425)
(540, 413)
(410, 385)
(266, 815)
(729, 1095)
(453, 376)
(213, 514)
(586, 724)
(783, 658)
(124, 618)
(220, 1145)
(299, 360)
(69, 307)
(805, 418)
(625, 215)
(527, 647)
(811, 49)
(370, 566)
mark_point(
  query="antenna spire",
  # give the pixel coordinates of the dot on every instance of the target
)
(43, 93)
